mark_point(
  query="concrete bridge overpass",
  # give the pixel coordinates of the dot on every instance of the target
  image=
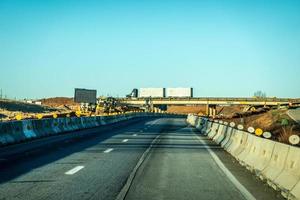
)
(212, 102)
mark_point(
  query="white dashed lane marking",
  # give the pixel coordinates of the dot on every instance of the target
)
(125, 140)
(134, 134)
(108, 150)
(74, 170)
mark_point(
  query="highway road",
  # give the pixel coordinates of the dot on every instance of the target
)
(152, 159)
(294, 114)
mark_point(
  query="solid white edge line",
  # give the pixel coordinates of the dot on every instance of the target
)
(229, 175)
(108, 150)
(74, 170)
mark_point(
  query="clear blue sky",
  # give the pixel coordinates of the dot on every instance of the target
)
(221, 48)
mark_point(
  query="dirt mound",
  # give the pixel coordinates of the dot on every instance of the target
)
(9, 109)
(201, 109)
(18, 106)
(275, 121)
(58, 101)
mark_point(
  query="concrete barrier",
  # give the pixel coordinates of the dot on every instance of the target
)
(228, 134)
(206, 130)
(290, 174)
(69, 124)
(94, 121)
(264, 157)
(192, 120)
(42, 127)
(62, 124)
(218, 133)
(85, 122)
(239, 141)
(255, 153)
(294, 194)
(222, 130)
(214, 130)
(246, 150)
(276, 164)
(5, 133)
(74, 123)
(231, 139)
(88, 122)
(19, 131)
(49, 124)
(55, 126)
(28, 129)
(101, 120)
(204, 126)
(77, 122)
(198, 123)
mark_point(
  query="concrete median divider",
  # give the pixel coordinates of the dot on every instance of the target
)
(47, 126)
(228, 134)
(207, 129)
(28, 129)
(294, 194)
(55, 126)
(277, 163)
(20, 131)
(42, 127)
(242, 145)
(214, 130)
(222, 130)
(247, 149)
(290, 174)
(205, 126)
(231, 139)
(264, 156)
(239, 139)
(5, 133)
(74, 123)
(101, 120)
(17, 131)
(218, 132)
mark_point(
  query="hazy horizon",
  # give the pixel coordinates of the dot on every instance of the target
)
(220, 48)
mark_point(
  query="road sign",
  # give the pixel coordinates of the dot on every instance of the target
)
(85, 96)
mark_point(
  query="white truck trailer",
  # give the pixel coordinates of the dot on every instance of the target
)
(152, 92)
(179, 92)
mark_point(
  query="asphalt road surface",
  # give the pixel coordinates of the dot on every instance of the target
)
(154, 159)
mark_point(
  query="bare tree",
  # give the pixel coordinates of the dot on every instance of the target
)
(260, 94)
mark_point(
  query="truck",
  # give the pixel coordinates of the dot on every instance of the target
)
(179, 92)
(152, 92)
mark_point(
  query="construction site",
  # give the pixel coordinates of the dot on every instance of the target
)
(275, 119)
